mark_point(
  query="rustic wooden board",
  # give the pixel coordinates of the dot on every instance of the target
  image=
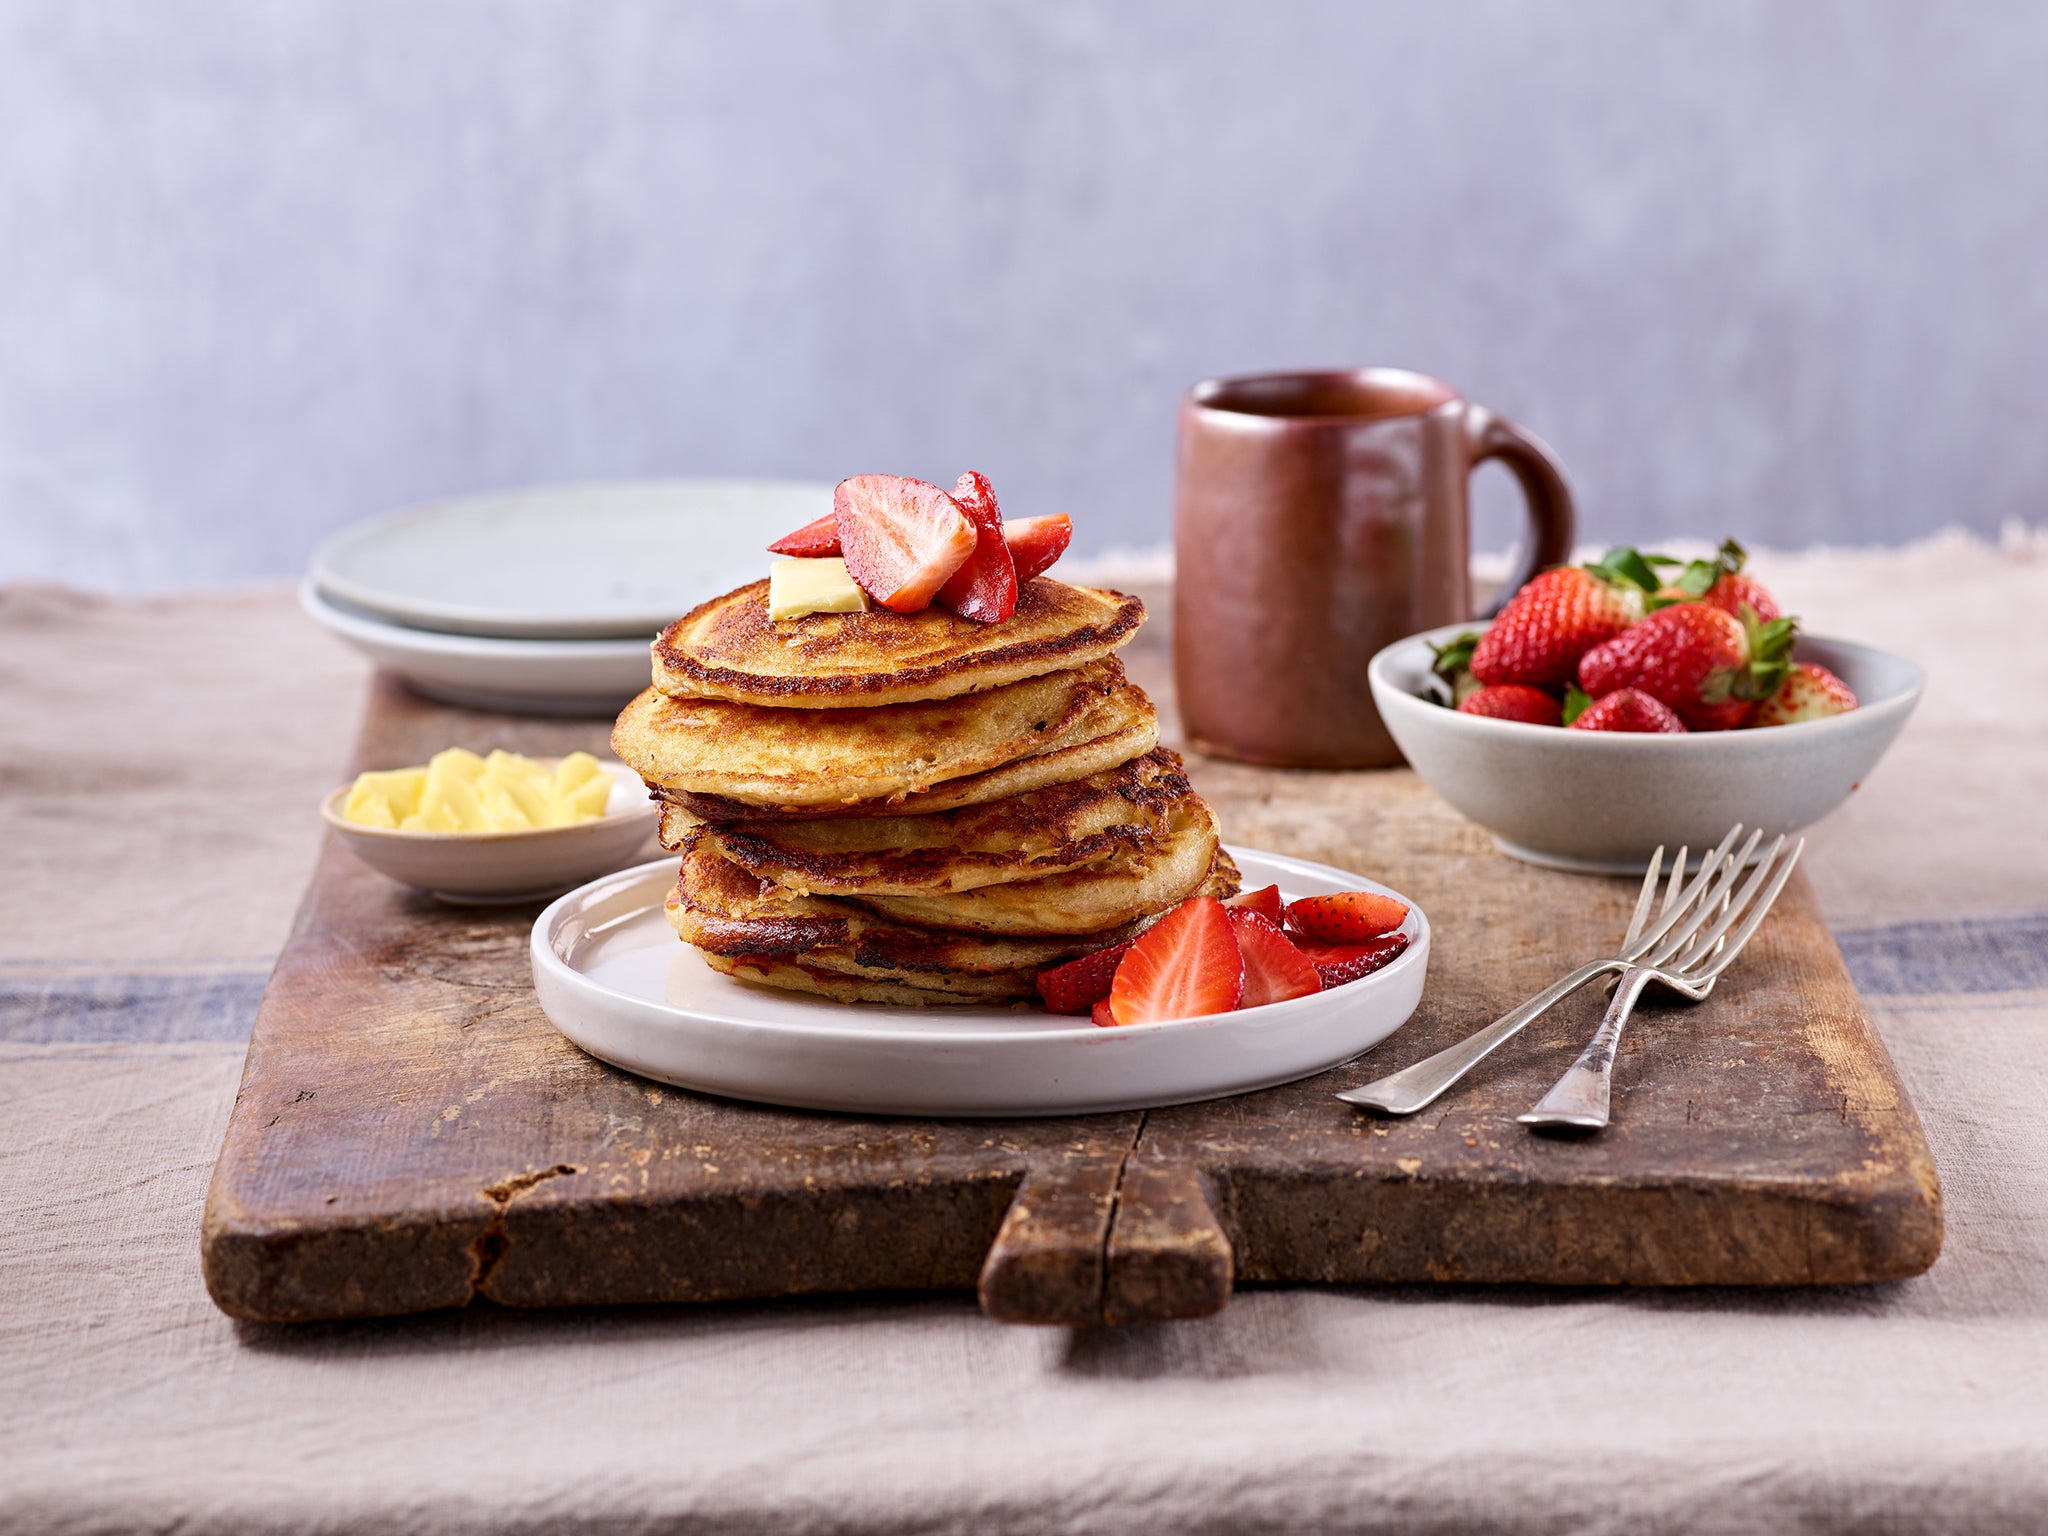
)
(411, 1133)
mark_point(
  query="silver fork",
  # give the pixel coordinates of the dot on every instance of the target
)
(1580, 1101)
(1417, 1087)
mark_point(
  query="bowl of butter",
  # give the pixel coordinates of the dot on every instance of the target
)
(496, 828)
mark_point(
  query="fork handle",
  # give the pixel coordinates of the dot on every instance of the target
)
(1580, 1100)
(1417, 1087)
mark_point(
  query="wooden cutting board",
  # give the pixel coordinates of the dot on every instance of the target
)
(411, 1133)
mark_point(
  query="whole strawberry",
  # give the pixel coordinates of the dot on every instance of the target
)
(1627, 709)
(1555, 619)
(1809, 692)
(1722, 583)
(1707, 667)
(1514, 701)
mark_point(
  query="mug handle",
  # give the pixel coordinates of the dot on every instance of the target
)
(1551, 515)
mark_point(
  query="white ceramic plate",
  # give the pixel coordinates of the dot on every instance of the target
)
(499, 868)
(565, 562)
(614, 978)
(520, 677)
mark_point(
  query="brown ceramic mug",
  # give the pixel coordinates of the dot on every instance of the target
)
(1317, 518)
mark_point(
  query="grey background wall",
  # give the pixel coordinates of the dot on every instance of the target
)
(1775, 268)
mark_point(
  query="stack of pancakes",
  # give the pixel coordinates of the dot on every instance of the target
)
(914, 808)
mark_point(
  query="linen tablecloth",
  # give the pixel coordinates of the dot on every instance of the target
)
(161, 761)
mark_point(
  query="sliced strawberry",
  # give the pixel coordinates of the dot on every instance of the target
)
(1809, 693)
(985, 587)
(901, 538)
(1080, 984)
(816, 540)
(1348, 917)
(1513, 701)
(1185, 965)
(1628, 710)
(1101, 1015)
(1265, 901)
(1274, 970)
(1339, 963)
(1035, 542)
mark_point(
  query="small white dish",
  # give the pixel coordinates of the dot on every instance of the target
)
(498, 868)
(588, 562)
(519, 677)
(612, 976)
(1601, 802)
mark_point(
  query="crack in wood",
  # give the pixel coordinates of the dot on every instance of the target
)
(491, 1245)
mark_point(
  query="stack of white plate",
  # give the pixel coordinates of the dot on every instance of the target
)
(544, 601)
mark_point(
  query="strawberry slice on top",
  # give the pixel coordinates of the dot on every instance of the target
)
(816, 540)
(1265, 901)
(1036, 542)
(901, 538)
(1184, 966)
(985, 587)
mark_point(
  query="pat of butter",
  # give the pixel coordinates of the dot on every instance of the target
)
(460, 792)
(798, 587)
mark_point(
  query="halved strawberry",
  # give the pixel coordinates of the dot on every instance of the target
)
(1101, 1016)
(901, 538)
(1265, 901)
(1274, 970)
(816, 540)
(1348, 917)
(1339, 963)
(985, 587)
(1080, 984)
(1185, 965)
(1035, 542)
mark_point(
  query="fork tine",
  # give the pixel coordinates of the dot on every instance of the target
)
(1644, 896)
(1673, 939)
(1671, 888)
(1729, 911)
(1686, 898)
(1758, 911)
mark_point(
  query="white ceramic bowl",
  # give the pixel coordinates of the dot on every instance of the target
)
(519, 677)
(1603, 801)
(490, 868)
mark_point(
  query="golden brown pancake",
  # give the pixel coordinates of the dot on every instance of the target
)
(1024, 837)
(729, 648)
(833, 759)
(747, 929)
(1134, 884)
(1074, 754)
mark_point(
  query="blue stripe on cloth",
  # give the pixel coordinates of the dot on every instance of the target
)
(77, 1005)
(1963, 954)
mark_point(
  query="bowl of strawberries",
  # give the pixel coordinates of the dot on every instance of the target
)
(1635, 701)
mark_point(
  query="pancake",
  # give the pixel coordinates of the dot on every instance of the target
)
(1024, 837)
(729, 649)
(722, 909)
(835, 759)
(1074, 754)
(715, 904)
(1128, 887)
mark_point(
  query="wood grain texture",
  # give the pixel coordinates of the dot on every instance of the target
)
(412, 1134)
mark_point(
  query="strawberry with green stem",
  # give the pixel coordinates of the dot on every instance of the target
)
(1560, 615)
(1706, 666)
